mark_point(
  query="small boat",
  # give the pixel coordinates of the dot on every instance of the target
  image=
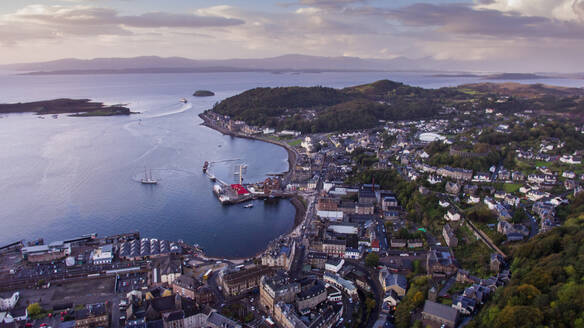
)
(250, 205)
(55, 116)
(183, 100)
(212, 178)
(147, 179)
(205, 167)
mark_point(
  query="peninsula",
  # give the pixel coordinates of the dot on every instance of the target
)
(76, 107)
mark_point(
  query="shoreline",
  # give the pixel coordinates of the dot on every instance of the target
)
(292, 155)
(296, 201)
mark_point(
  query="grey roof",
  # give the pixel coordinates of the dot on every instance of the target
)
(395, 279)
(221, 321)
(440, 310)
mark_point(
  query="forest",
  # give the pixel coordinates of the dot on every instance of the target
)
(322, 109)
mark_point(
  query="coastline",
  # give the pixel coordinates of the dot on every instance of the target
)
(296, 201)
(292, 155)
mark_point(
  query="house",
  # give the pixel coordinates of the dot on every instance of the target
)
(449, 237)
(569, 175)
(440, 314)
(443, 203)
(452, 188)
(482, 177)
(415, 243)
(491, 204)
(473, 199)
(496, 262)
(439, 262)
(391, 298)
(334, 265)
(452, 215)
(464, 305)
(397, 243)
(393, 281)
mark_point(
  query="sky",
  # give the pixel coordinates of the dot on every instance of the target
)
(511, 35)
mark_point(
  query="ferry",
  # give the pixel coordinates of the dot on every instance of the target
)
(250, 205)
(183, 100)
(147, 179)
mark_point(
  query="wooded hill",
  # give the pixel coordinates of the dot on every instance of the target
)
(322, 109)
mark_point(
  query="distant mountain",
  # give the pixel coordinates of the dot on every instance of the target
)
(153, 64)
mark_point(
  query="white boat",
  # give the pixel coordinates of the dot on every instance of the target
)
(250, 205)
(147, 179)
(183, 100)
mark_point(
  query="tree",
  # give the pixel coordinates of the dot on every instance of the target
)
(519, 215)
(372, 259)
(370, 304)
(34, 310)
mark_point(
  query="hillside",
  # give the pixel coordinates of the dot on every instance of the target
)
(321, 109)
(547, 287)
(525, 90)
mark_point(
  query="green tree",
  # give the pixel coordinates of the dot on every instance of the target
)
(34, 310)
(372, 259)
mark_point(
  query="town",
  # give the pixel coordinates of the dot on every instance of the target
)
(411, 223)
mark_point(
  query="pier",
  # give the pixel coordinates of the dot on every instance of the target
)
(229, 194)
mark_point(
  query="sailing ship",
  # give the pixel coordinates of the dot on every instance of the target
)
(147, 179)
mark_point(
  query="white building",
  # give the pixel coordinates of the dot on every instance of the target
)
(103, 255)
(7, 304)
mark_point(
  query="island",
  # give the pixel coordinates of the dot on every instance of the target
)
(76, 107)
(203, 93)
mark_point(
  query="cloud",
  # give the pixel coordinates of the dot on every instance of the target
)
(565, 10)
(462, 19)
(83, 16)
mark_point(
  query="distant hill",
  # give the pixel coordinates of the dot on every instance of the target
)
(321, 109)
(153, 64)
(525, 90)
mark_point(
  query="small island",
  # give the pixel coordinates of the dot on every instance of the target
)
(76, 107)
(203, 93)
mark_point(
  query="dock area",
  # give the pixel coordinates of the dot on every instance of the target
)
(236, 193)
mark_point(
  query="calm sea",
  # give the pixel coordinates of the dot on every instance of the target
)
(65, 177)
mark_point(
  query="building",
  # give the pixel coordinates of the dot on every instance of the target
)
(496, 263)
(317, 259)
(281, 256)
(441, 314)
(7, 304)
(345, 285)
(393, 281)
(46, 253)
(449, 237)
(103, 255)
(364, 208)
(439, 262)
(452, 188)
(190, 288)
(334, 248)
(278, 288)
(238, 282)
(334, 264)
(452, 215)
(93, 315)
(312, 294)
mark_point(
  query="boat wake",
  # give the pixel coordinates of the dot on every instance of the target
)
(181, 109)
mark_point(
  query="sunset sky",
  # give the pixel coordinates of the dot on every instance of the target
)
(537, 35)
